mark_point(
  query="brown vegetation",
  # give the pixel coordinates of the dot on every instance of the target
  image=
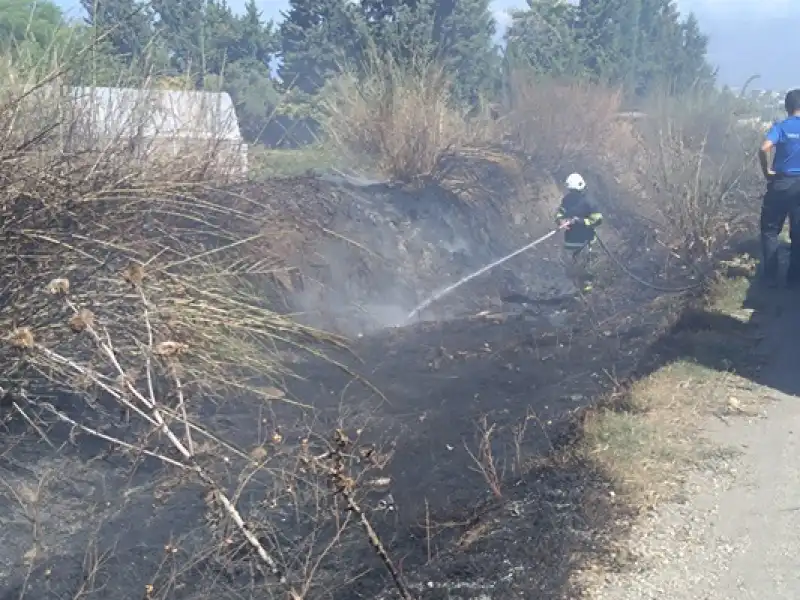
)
(133, 300)
(403, 118)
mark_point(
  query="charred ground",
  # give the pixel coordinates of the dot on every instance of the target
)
(82, 520)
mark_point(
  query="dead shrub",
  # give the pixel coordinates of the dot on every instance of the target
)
(91, 188)
(323, 481)
(557, 124)
(401, 115)
(697, 166)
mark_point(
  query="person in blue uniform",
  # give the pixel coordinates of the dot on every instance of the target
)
(782, 198)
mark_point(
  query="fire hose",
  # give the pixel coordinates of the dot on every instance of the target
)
(639, 280)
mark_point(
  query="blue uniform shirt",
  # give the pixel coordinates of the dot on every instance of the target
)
(785, 136)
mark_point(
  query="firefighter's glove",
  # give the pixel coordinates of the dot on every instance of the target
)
(593, 221)
(567, 223)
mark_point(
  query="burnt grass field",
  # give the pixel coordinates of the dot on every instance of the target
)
(457, 418)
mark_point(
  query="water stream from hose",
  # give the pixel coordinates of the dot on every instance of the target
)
(449, 289)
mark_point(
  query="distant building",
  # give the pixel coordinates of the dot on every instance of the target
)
(156, 122)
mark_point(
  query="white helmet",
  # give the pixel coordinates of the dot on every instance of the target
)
(575, 182)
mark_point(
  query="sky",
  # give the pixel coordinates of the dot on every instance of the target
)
(747, 37)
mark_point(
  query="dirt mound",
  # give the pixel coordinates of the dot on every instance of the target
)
(435, 398)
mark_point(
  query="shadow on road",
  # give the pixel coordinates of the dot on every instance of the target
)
(751, 333)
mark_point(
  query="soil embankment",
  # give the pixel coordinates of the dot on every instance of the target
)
(363, 254)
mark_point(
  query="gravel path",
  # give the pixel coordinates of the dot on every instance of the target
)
(737, 535)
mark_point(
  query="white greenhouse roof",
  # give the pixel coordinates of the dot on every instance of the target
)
(118, 112)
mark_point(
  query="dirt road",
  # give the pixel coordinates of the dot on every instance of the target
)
(734, 537)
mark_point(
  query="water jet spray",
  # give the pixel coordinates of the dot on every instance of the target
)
(446, 291)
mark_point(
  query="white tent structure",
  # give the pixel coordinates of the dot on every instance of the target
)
(152, 120)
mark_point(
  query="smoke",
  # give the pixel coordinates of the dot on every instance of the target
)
(394, 249)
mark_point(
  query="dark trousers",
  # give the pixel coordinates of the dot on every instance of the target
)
(781, 201)
(580, 265)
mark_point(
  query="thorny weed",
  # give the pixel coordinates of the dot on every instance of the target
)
(327, 474)
(109, 202)
(484, 460)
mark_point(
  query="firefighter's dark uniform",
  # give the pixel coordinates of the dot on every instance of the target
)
(579, 236)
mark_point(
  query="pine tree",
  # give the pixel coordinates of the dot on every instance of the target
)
(181, 24)
(660, 29)
(257, 40)
(405, 30)
(610, 38)
(239, 49)
(457, 33)
(379, 11)
(127, 25)
(219, 39)
(693, 68)
(465, 44)
(544, 38)
(318, 37)
(641, 45)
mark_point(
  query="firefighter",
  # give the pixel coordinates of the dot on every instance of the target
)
(581, 217)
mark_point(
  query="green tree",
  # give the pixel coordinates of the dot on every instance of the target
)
(465, 44)
(610, 37)
(254, 95)
(217, 40)
(380, 11)
(181, 24)
(459, 33)
(641, 45)
(203, 37)
(29, 20)
(318, 37)
(35, 34)
(405, 29)
(692, 68)
(241, 49)
(545, 39)
(126, 25)
(94, 62)
(257, 40)
(658, 29)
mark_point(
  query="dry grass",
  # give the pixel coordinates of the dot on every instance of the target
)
(99, 226)
(647, 438)
(133, 287)
(686, 166)
(319, 479)
(484, 460)
(90, 210)
(561, 125)
(696, 166)
(402, 117)
(645, 452)
(688, 169)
